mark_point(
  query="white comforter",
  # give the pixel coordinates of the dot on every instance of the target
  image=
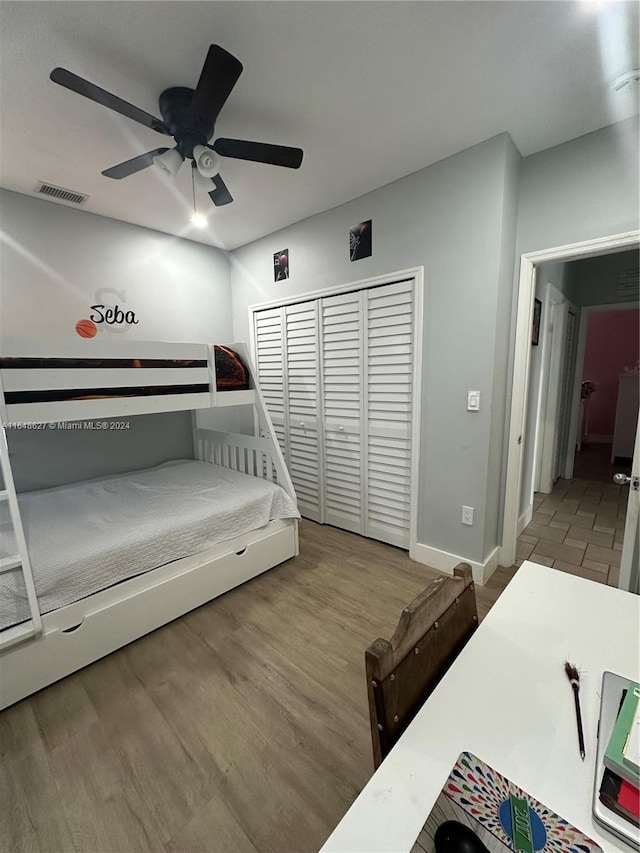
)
(87, 536)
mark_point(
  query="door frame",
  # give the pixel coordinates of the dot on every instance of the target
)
(628, 575)
(522, 355)
(412, 273)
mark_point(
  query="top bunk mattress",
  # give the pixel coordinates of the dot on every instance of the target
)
(87, 536)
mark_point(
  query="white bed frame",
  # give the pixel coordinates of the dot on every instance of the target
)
(50, 646)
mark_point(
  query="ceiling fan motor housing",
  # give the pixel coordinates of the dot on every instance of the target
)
(188, 130)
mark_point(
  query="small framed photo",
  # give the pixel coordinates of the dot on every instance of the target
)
(281, 265)
(535, 329)
(360, 241)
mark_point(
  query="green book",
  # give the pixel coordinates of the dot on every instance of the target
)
(614, 755)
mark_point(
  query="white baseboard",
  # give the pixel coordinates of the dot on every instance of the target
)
(524, 519)
(443, 561)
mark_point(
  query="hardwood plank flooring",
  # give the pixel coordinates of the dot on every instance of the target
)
(242, 726)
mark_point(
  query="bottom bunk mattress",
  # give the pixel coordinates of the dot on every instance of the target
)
(85, 537)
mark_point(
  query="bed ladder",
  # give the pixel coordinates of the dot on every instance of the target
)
(32, 626)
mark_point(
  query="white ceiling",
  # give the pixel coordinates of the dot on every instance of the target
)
(372, 91)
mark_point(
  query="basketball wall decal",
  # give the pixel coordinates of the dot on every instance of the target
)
(86, 328)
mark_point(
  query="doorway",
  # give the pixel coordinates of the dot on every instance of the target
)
(519, 449)
(606, 392)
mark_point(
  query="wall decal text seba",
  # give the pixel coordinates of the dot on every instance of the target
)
(107, 314)
(111, 316)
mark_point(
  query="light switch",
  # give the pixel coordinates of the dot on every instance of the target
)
(473, 401)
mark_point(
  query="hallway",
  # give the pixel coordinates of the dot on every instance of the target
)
(579, 527)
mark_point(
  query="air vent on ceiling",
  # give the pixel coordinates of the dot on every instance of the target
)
(61, 194)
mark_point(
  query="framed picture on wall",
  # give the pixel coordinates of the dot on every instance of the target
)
(535, 330)
(281, 265)
(360, 241)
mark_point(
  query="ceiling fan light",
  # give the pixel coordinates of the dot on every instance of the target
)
(199, 220)
(207, 162)
(169, 162)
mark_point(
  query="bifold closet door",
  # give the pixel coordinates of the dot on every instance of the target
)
(388, 379)
(342, 398)
(337, 377)
(303, 459)
(270, 355)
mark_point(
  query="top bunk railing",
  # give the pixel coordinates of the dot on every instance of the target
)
(69, 380)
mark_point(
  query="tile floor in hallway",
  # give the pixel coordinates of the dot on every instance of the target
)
(579, 527)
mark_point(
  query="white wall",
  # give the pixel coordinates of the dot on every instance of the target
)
(54, 259)
(456, 218)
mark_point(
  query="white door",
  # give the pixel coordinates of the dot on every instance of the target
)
(550, 409)
(301, 406)
(269, 359)
(630, 557)
(337, 375)
(342, 370)
(388, 377)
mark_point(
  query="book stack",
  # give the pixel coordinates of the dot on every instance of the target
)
(620, 788)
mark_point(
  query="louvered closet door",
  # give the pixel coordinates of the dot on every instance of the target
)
(301, 336)
(342, 399)
(270, 366)
(389, 353)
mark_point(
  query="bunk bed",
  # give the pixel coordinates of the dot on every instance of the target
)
(88, 567)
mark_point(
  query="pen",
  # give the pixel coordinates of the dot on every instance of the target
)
(574, 678)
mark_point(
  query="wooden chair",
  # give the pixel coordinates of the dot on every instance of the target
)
(403, 672)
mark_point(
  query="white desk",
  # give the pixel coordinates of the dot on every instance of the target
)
(507, 700)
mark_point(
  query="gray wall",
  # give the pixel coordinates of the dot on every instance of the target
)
(596, 279)
(54, 258)
(457, 218)
(581, 190)
(44, 458)
(592, 281)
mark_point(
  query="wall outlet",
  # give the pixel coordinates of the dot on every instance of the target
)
(467, 515)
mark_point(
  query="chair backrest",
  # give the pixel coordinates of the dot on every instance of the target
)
(403, 672)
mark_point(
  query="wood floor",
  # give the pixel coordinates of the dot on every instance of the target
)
(242, 726)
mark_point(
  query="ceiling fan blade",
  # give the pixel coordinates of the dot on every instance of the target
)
(259, 152)
(136, 164)
(219, 75)
(220, 194)
(101, 96)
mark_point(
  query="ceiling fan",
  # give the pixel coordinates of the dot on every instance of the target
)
(189, 116)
